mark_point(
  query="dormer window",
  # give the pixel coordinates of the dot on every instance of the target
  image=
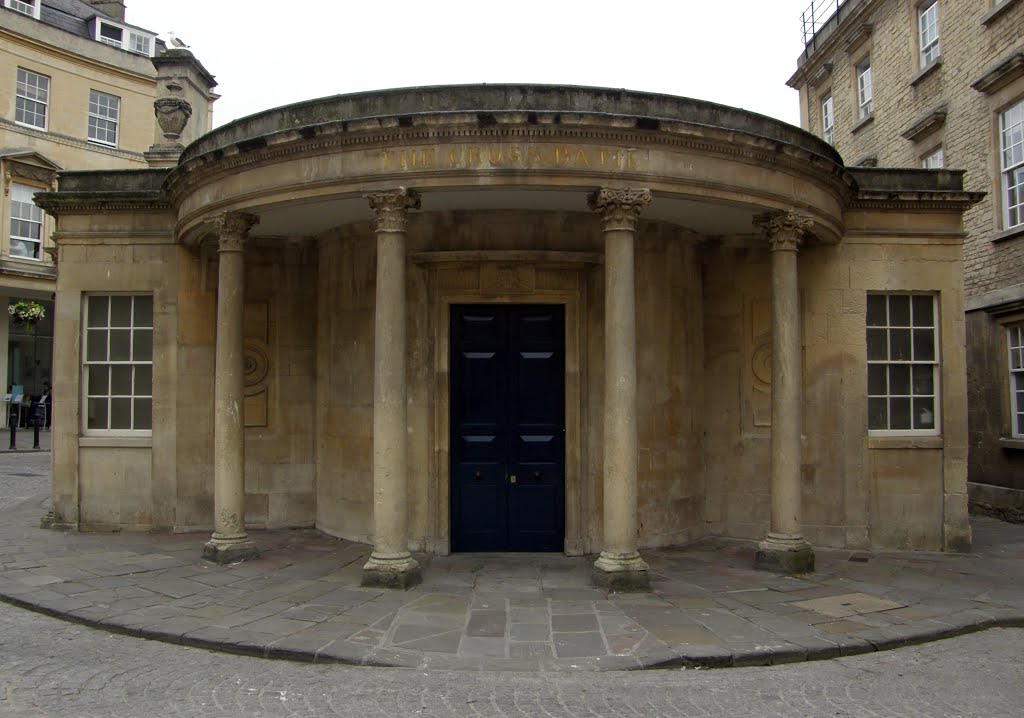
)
(110, 34)
(125, 38)
(26, 7)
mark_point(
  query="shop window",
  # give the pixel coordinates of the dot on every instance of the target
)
(1011, 151)
(864, 96)
(903, 364)
(118, 367)
(26, 237)
(1015, 341)
(928, 32)
(32, 98)
(103, 117)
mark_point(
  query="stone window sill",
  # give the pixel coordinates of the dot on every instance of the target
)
(935, 65)
(1009, 234)
(860, 125)
(1011, 443)
(997, 11)
(116, 442)
(905, 442)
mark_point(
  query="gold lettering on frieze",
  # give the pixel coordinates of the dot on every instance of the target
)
(514, 156)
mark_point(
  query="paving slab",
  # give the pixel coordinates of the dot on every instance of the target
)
(302, 600)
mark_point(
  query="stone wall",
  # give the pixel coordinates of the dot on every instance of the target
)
(969, 136)
(116, 482)
(280, 324)
(997, 462)
(483, 247)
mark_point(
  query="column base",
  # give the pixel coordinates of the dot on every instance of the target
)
(621, 573)
(784, 554)
(230, 550)
(391, 571)
(54, 522)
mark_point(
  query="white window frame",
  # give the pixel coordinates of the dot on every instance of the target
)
(889, 363)
(24, 210)
(101, 25)
(95, 331)
(934, 160)
(134, 41)
(140, 43)
(928, 32)
(1015, 366)
(37, 93)
(828, 119)
(103, 114)
(1011, 164)
(31, 8)
(864, 89)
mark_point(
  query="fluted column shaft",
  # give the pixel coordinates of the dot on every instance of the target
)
(620, 567)
(784, 548)
(230, 542)
(390, 565)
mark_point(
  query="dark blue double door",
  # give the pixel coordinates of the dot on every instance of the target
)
(507, 428)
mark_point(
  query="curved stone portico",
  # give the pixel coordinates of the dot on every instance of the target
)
(529, 317)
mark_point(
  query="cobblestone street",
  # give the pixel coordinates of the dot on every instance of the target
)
(49, 667)
(52, 668)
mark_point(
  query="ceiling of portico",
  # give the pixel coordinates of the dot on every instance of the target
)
(313, 217)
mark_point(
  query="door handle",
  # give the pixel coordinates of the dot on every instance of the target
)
(536, 476)
(477, 475)
(512, 479)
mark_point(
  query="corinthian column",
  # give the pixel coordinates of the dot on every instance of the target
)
(620, 568)
(230, 542)
(784, 548)
(390, 565)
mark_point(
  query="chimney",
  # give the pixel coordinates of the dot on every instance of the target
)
(111, 8)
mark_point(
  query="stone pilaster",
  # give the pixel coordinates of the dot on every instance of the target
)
(620, 568)
(784, 548)
(390, 565)
(230, 542)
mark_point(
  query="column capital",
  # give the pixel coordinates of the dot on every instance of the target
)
(619, 208)
(784, 229)
(233, 229)
(390, 208)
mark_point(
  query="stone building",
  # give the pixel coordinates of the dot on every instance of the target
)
(511, 318)
(940, 83)
(77, 86)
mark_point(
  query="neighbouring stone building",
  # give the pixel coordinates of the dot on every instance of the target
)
(507, 318)
(940, 83)
(77, 87)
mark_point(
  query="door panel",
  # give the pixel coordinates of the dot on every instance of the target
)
(508, 428)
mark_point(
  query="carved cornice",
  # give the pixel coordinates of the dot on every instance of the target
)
(926, 125)
(29, 172)
(294, 145)
(1001, 75)
(69, 141)
(784, 229)
(232, 229)
(619, 208)
(929, 201)
(57, 203)
(391, 209)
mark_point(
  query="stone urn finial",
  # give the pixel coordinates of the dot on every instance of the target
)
(172, 113)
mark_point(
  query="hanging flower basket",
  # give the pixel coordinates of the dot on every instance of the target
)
(26, 314)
